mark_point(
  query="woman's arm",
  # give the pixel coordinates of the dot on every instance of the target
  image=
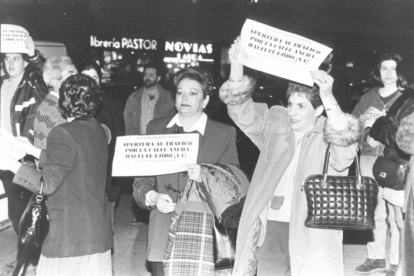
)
(60, 158)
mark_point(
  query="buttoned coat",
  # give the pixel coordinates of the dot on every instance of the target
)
(74, 174)
(217, 145)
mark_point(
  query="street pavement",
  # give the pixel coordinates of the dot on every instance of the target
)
(130, 245)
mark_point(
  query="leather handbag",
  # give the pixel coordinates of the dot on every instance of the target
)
(390, 173)
(224, 245)
(33, 228)
(340, 202)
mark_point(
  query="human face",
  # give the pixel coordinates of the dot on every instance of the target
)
(15, 65)
(67, 70)
(150, 77)
(189, 99)
(93, 74)
(302, 115)
(388, 71)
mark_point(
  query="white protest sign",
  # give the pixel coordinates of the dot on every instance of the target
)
(13, 39)
(10, 146)
(145, 155)
(280, 53)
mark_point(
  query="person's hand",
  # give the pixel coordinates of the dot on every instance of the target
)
(236, 70)
(194, 172)
(7, 163)
(163, 202)
(30, 46)
(28, 147)
(234, 51)
(372, 142)
(324, 81)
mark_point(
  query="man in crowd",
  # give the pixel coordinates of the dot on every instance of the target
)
(48, 114)
(149, 102)
(22, 90)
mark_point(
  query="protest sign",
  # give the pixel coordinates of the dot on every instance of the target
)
(10, 146)
(13, 39)
(145, 155)
(280, 53)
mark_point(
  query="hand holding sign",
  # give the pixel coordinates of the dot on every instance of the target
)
(235, 55)
(324, 81)
(163, 202)
(30, 46)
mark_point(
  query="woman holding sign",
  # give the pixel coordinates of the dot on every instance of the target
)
(272, 238)
(160, 194)
(74, 168)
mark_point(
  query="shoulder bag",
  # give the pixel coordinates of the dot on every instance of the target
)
(390, 173)
(33, 228)
(340, 202)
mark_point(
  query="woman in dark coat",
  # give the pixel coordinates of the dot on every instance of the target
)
(160, 194)
(74, 175)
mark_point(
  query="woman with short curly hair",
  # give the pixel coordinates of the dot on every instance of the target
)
(74, 172)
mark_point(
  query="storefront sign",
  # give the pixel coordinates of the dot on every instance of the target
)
(188, 52)
(125, 43)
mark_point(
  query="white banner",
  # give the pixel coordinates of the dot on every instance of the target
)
(280, 53)
(13, 39)
(145, 155)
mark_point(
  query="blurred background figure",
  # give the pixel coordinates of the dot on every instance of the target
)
(110, 114)
(22, 90)
(151, 101)
(372, 105)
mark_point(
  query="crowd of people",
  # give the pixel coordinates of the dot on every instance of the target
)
(68, 128)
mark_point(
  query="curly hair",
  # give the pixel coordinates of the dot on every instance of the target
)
(201, 76)
(78, 96)
(311, 93)
(376, 73)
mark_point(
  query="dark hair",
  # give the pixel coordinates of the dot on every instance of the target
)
(81, 90)
(201, 76)
(376, 73)
(311, 93)
(154, 66)
(94, 66)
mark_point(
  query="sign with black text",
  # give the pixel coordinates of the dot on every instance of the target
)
(145, 155)
(280, 53)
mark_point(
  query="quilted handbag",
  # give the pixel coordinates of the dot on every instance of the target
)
(340, 202)
(390, 173)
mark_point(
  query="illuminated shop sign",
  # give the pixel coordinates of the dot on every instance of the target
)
(124, 43)
(187, 52)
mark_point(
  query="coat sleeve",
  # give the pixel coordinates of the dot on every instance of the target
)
(60, 158)
(384, 131)
(250, 117)
(131, 116)
(344, 142)
(143, 185)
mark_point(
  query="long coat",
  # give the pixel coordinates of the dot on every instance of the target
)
(74, 174)
(218, 145)
(312, 251)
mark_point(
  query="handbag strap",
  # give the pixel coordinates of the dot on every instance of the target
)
(39, 196)
(326, 165)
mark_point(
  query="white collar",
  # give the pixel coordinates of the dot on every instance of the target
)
(54, 94)
(199, 126)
